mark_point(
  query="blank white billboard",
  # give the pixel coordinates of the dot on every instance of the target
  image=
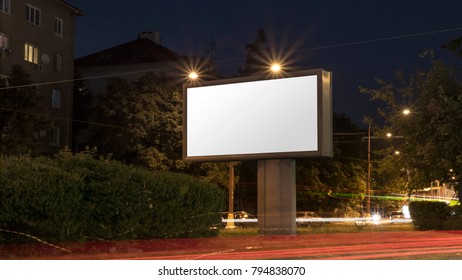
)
(258, 119)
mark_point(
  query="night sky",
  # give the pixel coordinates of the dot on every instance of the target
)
(357, 40)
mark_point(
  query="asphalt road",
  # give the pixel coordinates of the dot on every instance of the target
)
(329, 246)
(349, 246)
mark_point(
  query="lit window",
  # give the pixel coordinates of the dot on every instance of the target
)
(55, 136)
(56, 98)
(5, 6)
(58, 26)
(58, 61)
(31, 53)
(33, 15)
(3, 41)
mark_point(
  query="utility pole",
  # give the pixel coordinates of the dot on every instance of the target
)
(369, 167)
(230, 223)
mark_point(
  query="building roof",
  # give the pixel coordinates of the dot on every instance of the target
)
(78, 12)
(141, 50)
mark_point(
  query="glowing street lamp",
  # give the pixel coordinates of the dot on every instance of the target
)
(193, 75)
(275, 67)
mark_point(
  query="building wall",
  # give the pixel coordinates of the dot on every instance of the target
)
(46, 72)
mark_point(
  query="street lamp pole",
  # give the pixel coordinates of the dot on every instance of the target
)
(231, 196)
(369, 163)
(369, 167)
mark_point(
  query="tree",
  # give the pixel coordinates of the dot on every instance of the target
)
(257, 55)
(23, 114)
(142, 122)
(347, 138)
(81, 110)
(454, 45)
(432, 130)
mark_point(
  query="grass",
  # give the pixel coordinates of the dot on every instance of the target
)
(327, 228)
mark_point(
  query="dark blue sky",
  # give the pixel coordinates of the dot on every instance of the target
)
(357, 40)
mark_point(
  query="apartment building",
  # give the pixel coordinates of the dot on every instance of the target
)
(38, 35)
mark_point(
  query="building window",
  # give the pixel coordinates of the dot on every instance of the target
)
(31, 53)
(3, 42)
(58, 62)
(58, 26)
(4, 81)
(5, 6)
(56, 98)
(33, 15)
(55, 136)
(3, 45)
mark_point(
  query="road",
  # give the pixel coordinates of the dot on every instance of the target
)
(326, 246)
(350, 246)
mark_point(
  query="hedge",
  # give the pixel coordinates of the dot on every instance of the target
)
(77, 198)
(429, 215)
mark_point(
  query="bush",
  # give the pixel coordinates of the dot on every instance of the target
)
(78, 197)
(429, 215)
(455, 218)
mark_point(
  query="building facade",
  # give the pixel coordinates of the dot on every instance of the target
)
(39, 36)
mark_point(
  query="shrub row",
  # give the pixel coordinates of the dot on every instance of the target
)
(78, 197)
(431, 215)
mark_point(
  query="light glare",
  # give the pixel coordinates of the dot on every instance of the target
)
(193, 75)
(276, 67)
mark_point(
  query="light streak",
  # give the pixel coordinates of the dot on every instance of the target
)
(374, 219)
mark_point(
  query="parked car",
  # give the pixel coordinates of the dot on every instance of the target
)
(241, 219)
(396, 215)
(308, 218)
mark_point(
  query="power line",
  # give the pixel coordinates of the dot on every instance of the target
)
(349, 133)
(241, 58)
(381, 39)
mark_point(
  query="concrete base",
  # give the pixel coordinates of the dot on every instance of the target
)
(276, 197)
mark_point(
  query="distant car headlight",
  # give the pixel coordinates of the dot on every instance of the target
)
(376, 218)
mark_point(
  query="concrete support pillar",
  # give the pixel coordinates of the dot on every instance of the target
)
(276, 197)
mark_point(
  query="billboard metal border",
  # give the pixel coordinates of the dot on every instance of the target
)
(324, 92)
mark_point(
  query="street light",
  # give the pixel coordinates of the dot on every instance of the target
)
(193, 75)
(275, 67)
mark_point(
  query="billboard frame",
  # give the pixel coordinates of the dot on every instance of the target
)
(324, 118)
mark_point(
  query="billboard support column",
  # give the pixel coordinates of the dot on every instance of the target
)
(276, 197)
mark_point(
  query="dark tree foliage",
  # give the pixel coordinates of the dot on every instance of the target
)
(23, 114)
(433, 149)
(81, 111)
(140, 122)
(258, 54)
(455, 46)
(348, 143)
